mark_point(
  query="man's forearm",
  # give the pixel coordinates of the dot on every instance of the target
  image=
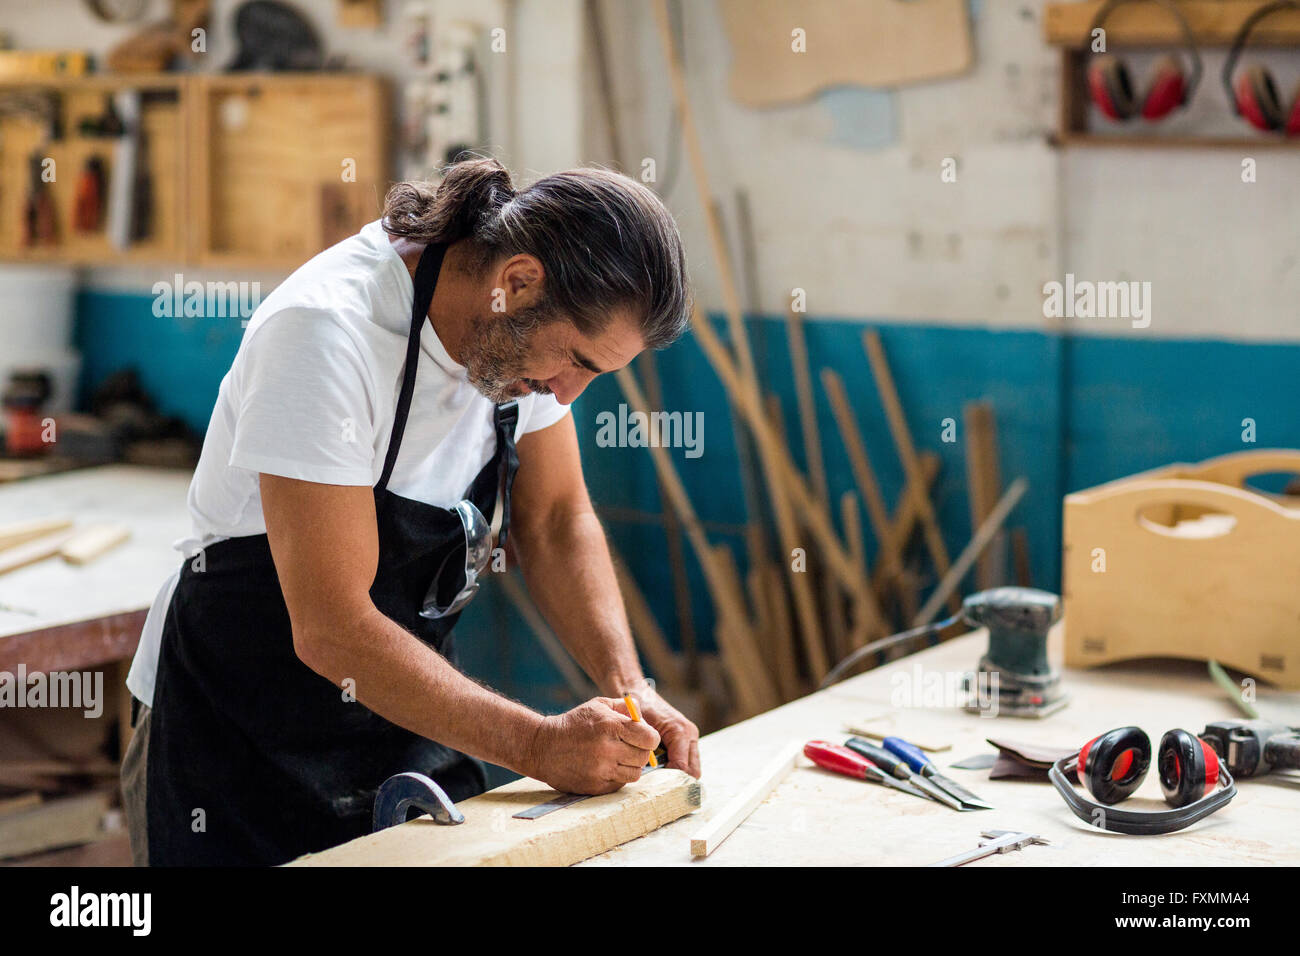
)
(408, 683)
(571, 578)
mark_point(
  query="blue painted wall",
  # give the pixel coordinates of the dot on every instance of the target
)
(1072, 412)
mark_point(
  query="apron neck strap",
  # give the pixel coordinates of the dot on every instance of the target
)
(504, 420)
(426, 280)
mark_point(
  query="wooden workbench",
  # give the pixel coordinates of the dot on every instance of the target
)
(819, 818)
(57, 616)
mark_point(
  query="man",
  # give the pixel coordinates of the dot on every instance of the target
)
(360, 448)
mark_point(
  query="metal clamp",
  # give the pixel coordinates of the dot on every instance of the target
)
(405, 790)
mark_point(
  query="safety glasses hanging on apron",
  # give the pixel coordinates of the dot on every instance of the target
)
(253, 757)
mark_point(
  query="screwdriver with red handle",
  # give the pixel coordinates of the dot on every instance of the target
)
(831, 756)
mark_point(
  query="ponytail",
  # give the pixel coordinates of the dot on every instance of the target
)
(468, 198)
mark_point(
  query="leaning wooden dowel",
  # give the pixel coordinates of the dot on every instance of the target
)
(863, 473)
(813, 512)
(729, 606)
(699, 171)
(787, 527)
(905, 518)
(907, 453)
(577, 682)
(723, 823)
(24, 531)
(984, 484)
(645, 629)
(988, 530)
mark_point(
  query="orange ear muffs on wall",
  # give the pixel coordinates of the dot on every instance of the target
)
(1253, 93)
(1110, 81)
(1113, 766)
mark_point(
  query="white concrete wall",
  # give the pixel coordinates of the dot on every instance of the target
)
(873, 233)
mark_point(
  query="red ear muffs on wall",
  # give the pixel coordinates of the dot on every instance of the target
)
(1113, 766)
(1254, 93)
(1110, 81)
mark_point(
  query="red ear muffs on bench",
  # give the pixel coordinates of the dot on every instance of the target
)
(1110, 82)
(1253, 93)
(1113, 766)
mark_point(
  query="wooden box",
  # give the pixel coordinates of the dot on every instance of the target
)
(1187, 561)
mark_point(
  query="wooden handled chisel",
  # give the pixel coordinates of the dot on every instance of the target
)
(920, 763)
(830, 756)
(889, 763)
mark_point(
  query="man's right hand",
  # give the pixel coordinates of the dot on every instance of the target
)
(594, 748)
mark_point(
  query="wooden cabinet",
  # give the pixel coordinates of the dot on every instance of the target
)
(247, 169)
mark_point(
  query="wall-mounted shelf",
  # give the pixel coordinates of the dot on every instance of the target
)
(246, 169)
(1214, 23)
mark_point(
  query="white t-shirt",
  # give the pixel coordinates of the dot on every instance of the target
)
(312, 395)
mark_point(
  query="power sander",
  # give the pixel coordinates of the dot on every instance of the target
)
(1018, 620)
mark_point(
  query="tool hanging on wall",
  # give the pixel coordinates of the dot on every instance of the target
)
(88, 201)
(40, 223)
(1110, 81)
(1254, 93)
(1193, 779)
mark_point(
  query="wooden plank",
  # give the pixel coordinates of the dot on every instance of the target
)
(947, 586)
(92, 542)
(21, 532)
(812, 450)
(730, 604)
(65, 822)
(24, 801)
(907, 454)
(815, 517)
(38, 549)
(1212, 22)
(863, 473)
(736, 810)
(907, 514)
(556, 653)
(983, 486)
(645, 628)
(787, 530)
(491, 836)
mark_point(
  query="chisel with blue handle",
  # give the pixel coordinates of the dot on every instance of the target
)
(889, 763)
(920, 763)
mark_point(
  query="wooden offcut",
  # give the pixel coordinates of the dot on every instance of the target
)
(736, 810)
(491, 836)
(21, 532)
(38, 549)
(93, 542)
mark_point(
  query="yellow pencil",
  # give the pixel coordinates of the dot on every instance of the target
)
(636, 715)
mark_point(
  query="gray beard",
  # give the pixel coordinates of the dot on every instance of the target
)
(495, 351)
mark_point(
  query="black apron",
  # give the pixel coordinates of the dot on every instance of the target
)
(254, 758)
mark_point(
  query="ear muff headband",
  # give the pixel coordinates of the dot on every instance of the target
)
(1142, 822)
(1189, 40)
(1239, 44)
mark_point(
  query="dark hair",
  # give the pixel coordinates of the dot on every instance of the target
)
(605, 240)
